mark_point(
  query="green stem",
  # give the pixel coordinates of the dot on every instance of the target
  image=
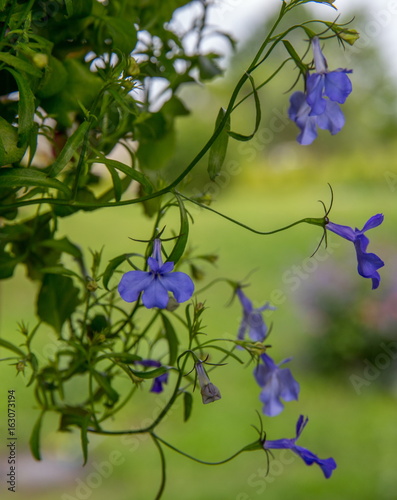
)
(308, 220)
(163, 468)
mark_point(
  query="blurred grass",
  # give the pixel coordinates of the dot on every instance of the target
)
(358, 431)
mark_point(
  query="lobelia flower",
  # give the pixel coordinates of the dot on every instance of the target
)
(158, 382)
(156, 283)
(252, 319)
(276, 383)
(318, 106)
(209, 392)
(368, 263)
(327, 465)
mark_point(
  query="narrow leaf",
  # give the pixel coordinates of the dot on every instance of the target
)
(218, 149)
(128, 171)
(11, 347)
(187, 405)
(181, 241)
(258, 115)
(26, 177)
(26, 105)
(149, 374)
(20, 64)
(172, 339)
(34, 441)
(116, 182)
(103, 381)
(70, 148)
(292, 52)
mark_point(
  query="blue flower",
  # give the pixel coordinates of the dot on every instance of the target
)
(331, 119)
(368, 263)
(252, 319)
(276, 383)
(318, 106)
(327, 465)
(158, 382)
(156, 283)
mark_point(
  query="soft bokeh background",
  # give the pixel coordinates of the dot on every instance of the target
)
(342, 336)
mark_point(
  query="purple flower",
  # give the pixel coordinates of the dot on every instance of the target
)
(318, 106)
(276, 383)
(331, 119)
(252, 319)
(327, 465)
(156, 283)
(368, 263)
(333, 84)
(158, 382)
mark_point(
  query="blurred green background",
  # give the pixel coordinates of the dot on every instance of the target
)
(327, 318)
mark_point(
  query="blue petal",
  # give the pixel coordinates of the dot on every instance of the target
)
(298, 105)
(155, 295)
(308, 131)
(158, 383)
(345, 231)
(300, 425)
(133, 283)
(153, 264)
(180, 284)
(368, 264)
(270, 397)
(166, 268)
(337, 86)
(258, 328)
(245, 302)
(278, 444)
(327, 465)
(374, 221)
(289, 387)
(332, 119)
(314, 89)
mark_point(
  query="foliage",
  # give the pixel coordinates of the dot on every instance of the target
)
(85, 76)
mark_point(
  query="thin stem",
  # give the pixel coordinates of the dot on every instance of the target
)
(264, 233)
(204, 462)
(163, 468)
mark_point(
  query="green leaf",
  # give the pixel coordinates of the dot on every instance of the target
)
(292, 52)
(103, 382)
(172, 339)
(34, 441)
(57, 300)
(116, 182)
(10, 151)
(63, 245)
(128, 171)
(112, 266)
(181, 241)
(26, 106)
(122, 33)
(20, 65)
(258, 115)
(11, 347)
(187, 405)
(26, 177)
(218, 149)
(70, 148)
(208, 67)
(149, 374)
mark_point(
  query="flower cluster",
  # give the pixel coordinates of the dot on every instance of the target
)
(318, 106)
